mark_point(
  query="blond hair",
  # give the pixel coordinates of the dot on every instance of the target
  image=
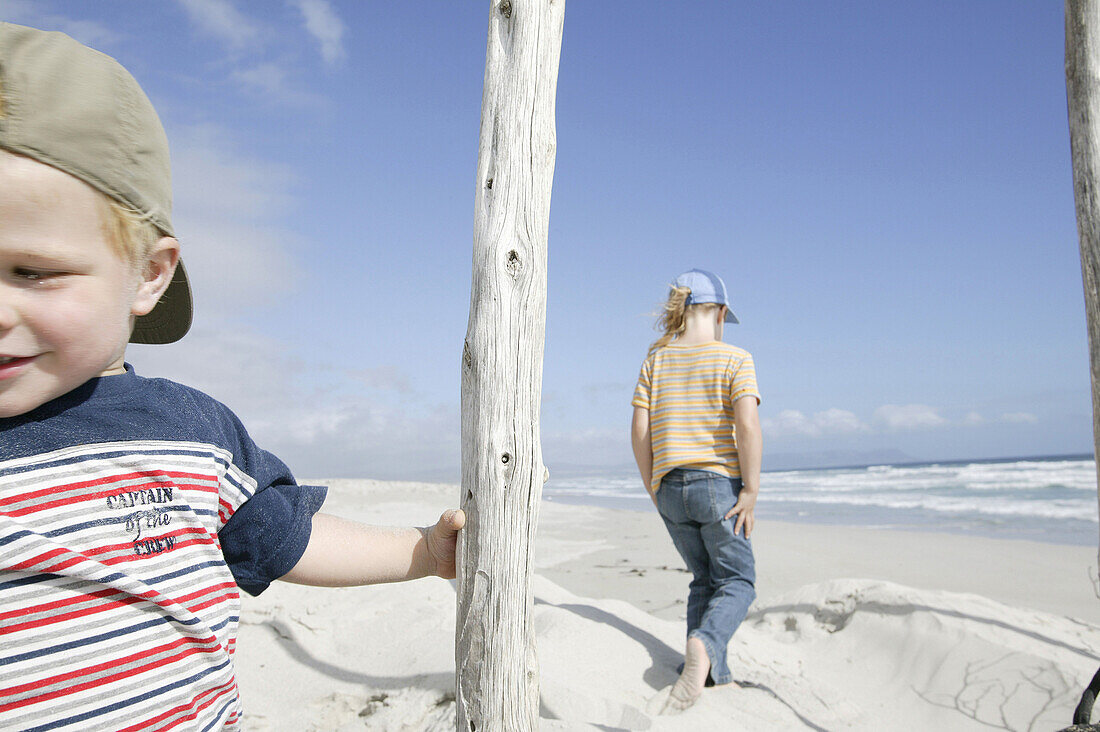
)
(672, 319)
(130, 233)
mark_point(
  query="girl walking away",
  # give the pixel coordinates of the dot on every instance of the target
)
(696, 438)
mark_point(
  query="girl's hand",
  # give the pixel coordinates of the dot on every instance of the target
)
(441, 540)
(746, 502)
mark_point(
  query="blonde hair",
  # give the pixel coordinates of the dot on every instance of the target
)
(673, 317)
(131, 234)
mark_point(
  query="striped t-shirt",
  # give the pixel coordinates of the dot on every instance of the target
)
(131, 510)
(689, 392)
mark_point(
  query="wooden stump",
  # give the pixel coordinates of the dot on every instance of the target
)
(502, 470)
(1083, 95)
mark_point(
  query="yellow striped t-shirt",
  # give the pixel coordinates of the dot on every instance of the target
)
(689, 392)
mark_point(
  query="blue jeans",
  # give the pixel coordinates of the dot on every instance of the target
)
(693, 504)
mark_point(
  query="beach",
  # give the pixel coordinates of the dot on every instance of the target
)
(853, 628)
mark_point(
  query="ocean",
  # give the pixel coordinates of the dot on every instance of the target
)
(1048, 499)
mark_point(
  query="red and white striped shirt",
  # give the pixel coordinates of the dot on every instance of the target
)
(120, 558)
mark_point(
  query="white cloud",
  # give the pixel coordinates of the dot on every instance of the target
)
(259, 53)
(830, 422)
(384, 378)
(887, 418)
(324, 25)
(210, 175)
(839, 421)
(268, 78)
(321, 428)
(227, 214)
(271, 82)
(88, 32)
(788, 422)
(902, 417)
(565, 449)
(220, 18)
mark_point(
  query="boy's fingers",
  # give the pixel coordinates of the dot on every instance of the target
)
(453, 518)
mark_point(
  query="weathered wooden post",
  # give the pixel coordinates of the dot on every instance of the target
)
(502, 470)
(1083, 95)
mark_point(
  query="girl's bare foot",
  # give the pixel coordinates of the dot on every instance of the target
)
(690, 684)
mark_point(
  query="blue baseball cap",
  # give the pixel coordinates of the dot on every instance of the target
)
(706, 287)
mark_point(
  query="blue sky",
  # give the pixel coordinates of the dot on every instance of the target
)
(885, 187)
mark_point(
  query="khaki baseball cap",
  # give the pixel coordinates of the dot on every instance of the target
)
(78, 110)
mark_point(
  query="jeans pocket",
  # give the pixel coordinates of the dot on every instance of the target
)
(726, 495)
(716, 490)
(668, 498)
(701, 497)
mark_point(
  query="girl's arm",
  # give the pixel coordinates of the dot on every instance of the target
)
(750, 448)
(344, 553)
(643, 448)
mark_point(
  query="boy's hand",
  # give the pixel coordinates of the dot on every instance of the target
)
(441, 540)
(344, 553)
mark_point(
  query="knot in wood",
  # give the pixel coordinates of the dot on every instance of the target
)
(506, 8)
(512, 264)
(505, 458)
(489, 183)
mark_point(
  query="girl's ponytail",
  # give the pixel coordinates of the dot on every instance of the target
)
(671, 320)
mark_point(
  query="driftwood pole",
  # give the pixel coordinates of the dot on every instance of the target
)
(502, 470)
(1083, 95)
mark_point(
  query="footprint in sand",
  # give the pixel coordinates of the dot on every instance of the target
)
(657, 703)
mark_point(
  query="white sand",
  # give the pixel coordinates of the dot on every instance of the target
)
(943, 633)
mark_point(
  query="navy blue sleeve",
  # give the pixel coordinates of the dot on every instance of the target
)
(268, 533)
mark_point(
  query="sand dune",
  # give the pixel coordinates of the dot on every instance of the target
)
(861, 654)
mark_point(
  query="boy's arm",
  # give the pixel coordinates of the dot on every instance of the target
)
(643, 448)
(344, 553)
(750, 447)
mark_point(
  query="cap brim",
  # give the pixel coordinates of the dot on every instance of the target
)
(730, 317)
(171, 318)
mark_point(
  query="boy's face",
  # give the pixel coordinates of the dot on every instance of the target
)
(66, 296)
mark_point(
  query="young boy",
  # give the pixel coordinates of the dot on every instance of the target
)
(131, 509)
